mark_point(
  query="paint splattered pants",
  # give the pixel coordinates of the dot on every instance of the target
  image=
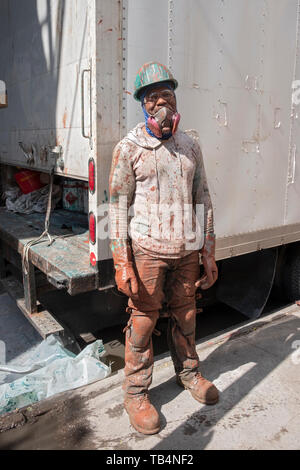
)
(161, 280)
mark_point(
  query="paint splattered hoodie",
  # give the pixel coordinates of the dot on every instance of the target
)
(155, 187)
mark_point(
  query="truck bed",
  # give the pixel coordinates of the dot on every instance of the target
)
(66, 262)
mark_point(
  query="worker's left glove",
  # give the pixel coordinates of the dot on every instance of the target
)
(125, 275)
(209, 263)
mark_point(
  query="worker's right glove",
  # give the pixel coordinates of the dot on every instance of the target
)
(125, 276)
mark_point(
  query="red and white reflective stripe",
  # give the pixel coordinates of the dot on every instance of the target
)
(92, 175)
(92, 227)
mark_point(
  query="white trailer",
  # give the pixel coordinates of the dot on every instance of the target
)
(67, 69)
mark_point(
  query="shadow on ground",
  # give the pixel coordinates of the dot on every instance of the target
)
(264, 350)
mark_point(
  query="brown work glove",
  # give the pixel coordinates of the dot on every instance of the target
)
(125, 276)
(209, 263)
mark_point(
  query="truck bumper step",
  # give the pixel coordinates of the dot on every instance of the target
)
(42, 320)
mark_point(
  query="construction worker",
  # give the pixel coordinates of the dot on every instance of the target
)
(155, 167)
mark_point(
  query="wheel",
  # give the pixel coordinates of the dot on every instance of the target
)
(291, 273)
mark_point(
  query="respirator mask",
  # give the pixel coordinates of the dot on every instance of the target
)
(164, 123)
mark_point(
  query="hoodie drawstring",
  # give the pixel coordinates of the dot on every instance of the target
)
(157, 179)
(180, 163)
(178, 155)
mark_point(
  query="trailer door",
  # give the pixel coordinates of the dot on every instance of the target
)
(46, 51)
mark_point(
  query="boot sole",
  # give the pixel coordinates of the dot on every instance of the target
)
(141, 430)
(144, 431)
(204, 402)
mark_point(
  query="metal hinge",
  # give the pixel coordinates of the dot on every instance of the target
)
(56, 156)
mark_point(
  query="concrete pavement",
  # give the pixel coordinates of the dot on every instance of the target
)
(255, 367)
(18, 338)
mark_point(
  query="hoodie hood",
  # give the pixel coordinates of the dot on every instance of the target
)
(138, 136)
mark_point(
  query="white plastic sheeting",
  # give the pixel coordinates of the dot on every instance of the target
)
(35, 201)
(51, 369)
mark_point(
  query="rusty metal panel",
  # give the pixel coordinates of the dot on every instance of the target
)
(235, 61)
(45, 47)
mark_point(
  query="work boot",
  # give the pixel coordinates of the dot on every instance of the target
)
(201, 389)
(142, 414)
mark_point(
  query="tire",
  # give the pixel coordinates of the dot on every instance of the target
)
(291, 273)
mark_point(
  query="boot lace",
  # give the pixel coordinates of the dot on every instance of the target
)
(142, 399)
(198, 378)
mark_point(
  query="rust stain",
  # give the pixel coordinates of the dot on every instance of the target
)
(100, 21)
(65, 119)
(109, 30)
(128, 92)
